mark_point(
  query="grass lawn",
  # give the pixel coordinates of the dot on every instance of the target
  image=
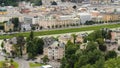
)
(14, 63)
(40, 33)
(32, 65)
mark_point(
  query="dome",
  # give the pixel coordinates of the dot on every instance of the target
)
(3, 9)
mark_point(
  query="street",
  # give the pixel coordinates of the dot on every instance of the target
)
(22, 63)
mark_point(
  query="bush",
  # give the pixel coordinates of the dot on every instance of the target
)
(119, 48)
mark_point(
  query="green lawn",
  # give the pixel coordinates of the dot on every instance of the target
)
(14, 63)
(32, 65)
(63, 31)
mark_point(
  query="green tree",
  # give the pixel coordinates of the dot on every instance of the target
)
(11, 61)
(70, 56)
(91, 46)
(21, 44)
(15, 21)
(100, 41)
(39, 45)
(100, 63)
(74, 36)
(63, 62)
(30, 37)
(119, 48)
(112, 63)
(31, 50)
(34, 45)
(38, 2)
(103, 48)
(110, 54)
(45, 59)
(2, 45)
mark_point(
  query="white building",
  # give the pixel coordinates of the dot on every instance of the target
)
(85, 17)
(25, 27)
(31, 20)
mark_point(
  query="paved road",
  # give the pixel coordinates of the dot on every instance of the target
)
(54, 64)
(2, 58)
(22, 63)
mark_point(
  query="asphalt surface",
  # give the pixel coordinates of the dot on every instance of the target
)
(22, 63)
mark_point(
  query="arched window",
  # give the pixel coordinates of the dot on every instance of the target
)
(49, 48)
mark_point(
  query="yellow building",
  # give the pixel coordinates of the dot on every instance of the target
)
(8, 26)
(3, 11)
(100, 1)
(110, 17)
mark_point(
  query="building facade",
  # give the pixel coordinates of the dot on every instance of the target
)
(54, 51)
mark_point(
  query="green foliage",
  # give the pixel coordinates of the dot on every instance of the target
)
(112, 63)
(38, 2)
(100, 41)
(15, 21)
(2, 45)
(21, 44)
(74, 36)
(45, 59)
(95, 35)
(100, 63)
(77, 58)
(119, 48)
(35, 65)
(34, 46)
(39, 45)
(63, 61)
(91, 46)
(11, 60)
(93, 56)
(89, 22)
(4, 65)
(110, 54)
(8, 2)
(103, 48)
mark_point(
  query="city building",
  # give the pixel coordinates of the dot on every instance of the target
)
(31, 19)
(65, 38)
(84, 17)
(108, 17)
(100, 1)
(3, 11)
(25, 27)
(8, 26)
(79, 38)
(55, 51)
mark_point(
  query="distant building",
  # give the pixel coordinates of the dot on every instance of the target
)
(79, 38)
(3, 11)
(48, 2)
(25, 26)
(75, 1)
(65, 38)
(31, 20)
(107, 17)
(25, 10)
(55, 51)
(8, 45)
(84, 17)
(100, 1)
(8, 26)
(116, 35)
